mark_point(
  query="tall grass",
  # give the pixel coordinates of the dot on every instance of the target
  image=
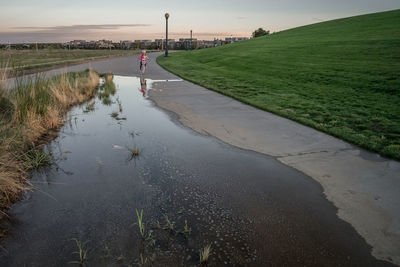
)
(28, 111)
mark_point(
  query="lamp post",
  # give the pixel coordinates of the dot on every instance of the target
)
(166, 34)
(191, 39)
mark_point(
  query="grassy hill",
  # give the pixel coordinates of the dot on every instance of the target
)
(341, 77)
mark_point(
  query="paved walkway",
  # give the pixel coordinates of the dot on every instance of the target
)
(362, 185)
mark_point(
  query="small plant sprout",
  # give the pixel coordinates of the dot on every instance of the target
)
(120, 259)
(156, 225)
(186, 229)
(169, 225)
(82, 252)
(119, 104)
(205, 254)
(134, 151)
(89, 107)
(141, 224)
(107, 253)
(143, 260)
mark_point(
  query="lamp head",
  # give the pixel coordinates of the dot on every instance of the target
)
(166, 15)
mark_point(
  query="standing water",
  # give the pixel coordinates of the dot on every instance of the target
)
(121, 154)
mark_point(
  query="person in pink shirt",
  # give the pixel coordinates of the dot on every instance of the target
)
(143, 61)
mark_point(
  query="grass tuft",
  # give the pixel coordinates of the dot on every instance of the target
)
(35, 158)
(82, 252)
(205, 254)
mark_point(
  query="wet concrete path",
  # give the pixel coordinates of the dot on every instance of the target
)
(252, 209)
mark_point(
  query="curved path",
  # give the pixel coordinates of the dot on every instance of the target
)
(362, 185)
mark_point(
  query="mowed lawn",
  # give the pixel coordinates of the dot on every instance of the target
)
(45, 58)
(341, 77)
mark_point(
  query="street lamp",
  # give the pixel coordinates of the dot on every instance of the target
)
(166, 34)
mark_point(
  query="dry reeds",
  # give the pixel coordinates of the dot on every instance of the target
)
(205, 254)
(108, 77)
(28, 111)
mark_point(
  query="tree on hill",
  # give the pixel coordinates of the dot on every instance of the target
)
(260, 32)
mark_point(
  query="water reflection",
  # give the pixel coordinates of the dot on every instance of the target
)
(248, 206)
(143, 87)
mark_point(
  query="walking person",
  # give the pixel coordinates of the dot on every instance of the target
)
(143, 61)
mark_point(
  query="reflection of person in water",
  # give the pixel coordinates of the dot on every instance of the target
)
(143, 86)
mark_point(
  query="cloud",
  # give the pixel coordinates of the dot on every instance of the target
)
(241, 18)
(98, 31)
(82, 27)
(65, 33)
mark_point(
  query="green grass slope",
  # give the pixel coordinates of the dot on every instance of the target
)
(341, 77)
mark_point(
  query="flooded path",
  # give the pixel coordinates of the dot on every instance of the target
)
(251, 209)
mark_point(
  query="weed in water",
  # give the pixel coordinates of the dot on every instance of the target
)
(169, 225)
(205, 254)
(119, 104)
(141, 224)
(106, 253)
(114, 114)
(82, 252)
(150, 239)
(106, 101)
(157, 225)
(120, 259)
(186, 229)
(143, 260)
(89, 107)
(134, 151)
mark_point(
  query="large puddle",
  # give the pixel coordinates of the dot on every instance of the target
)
(251, 209)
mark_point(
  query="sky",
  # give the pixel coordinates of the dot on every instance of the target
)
(60, 21)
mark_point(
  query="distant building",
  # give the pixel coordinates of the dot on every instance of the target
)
(188, 43)
(230, 40)
(126, 44)
(181, 44)
(104, 44)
